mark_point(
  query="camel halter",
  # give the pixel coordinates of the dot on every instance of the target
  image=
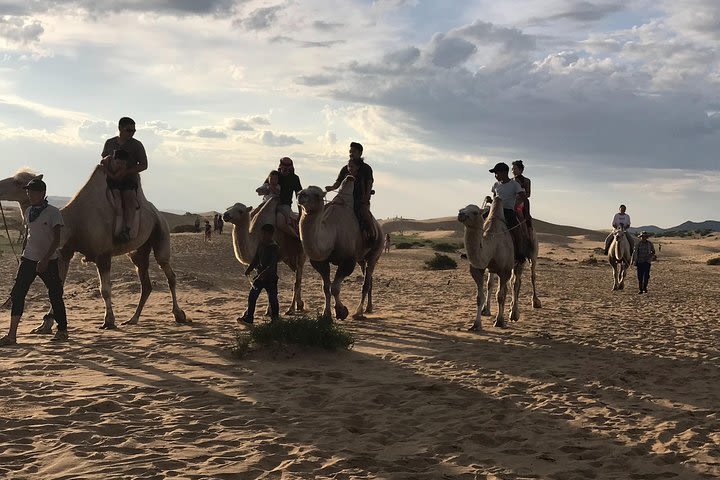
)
(7, 232)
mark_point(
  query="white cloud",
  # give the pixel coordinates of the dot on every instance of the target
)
(278, 140)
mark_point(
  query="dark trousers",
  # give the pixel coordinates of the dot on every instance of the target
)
(643, 273)
(27, 271)
(271, 287)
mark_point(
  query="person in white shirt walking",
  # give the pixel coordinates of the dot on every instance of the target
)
(43, 224)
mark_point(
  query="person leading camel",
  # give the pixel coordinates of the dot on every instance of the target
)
(522, 208)
(289, 184)
(510, 193)
(642, 257)
(362, 192)
(130, 181)
(265, 262)
(620, 220)
(43, 223)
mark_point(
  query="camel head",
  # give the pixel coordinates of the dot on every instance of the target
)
(311, 199)
(237, 214)
(618, 234)
(471, 216)
(11, 188)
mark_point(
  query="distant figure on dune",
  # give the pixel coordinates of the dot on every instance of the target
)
(642, 257)
(208, 231)
(388, 242)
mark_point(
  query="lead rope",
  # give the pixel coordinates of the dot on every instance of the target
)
(7, 232)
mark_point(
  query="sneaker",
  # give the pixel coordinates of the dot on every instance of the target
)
(245, 320)
(60, 336)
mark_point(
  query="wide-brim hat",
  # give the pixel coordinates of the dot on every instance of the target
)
(644, 234)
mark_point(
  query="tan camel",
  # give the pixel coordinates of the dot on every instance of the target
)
(246, 237)
(619, 256)
(89, 230)
(489, 246)
(331, 234)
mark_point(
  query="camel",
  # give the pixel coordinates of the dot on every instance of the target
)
(489, 246)
(619, 256)
(331, 234)
(246, 237)
(89, 227)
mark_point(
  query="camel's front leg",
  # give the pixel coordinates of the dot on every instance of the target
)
(103, 268)
(622, 269)
(516, 282)
(488, 295)
(535, 299)
(345, 269)
(323, 268)
(500, 296)
(366, 291)
(477, 275)
(616, 276)
(297, 303)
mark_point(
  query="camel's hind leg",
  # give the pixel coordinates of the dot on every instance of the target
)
(141, 260)
(515, 282)
(500, 296)
(535, 299)
(368, 268)
(161, 249)
(477, 275)
(297, 303)
(489, 286)
(103, 267)
(345, 269)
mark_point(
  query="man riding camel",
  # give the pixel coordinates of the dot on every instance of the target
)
(510, 193)
(127, 180)
(620, 220)
(362, 191)
(289, 183)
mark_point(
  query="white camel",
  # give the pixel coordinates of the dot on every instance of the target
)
(331, 234)
(89, 229)
(489, 247)
(246, 237)
(619, 256)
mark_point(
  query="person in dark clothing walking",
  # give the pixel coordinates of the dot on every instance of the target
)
(43, 225)
(642, 257)
(265, 262)
(289, 183)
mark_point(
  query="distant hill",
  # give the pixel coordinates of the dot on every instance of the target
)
(713, 225)
(451, 224)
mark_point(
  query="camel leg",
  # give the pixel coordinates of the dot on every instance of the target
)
(500, 296)
(103, 268)
(161, 248)
(615, 275)
(345, 269)
(369, 308)
(477, 275)
(535, 299)
(323, 268)
(296, 304)
(516, 282)
(368, 269)
(489, 285)
(141, 260)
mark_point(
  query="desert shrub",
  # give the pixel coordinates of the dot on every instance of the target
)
(403, 245)
(591, 260)
(440, 262)
(713, 261)
(446, 247)
(304, 331)
(184, 229)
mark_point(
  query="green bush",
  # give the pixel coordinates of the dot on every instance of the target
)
(440, 262)
(184, 229)
(713, 261)
(403, 246)
(304, 331)
(446, 247)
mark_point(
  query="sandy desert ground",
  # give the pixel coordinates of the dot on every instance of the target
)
(595, 385)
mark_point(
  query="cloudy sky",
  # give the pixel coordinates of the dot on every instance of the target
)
(606, 101)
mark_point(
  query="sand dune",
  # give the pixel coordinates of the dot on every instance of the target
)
(595, 385)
